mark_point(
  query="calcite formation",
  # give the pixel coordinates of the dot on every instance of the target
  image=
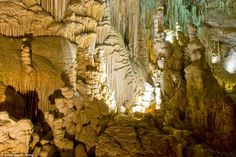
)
(26, 55)
(199, 80)
(117, 78)
(15, 135)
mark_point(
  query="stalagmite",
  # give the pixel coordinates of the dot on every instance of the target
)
(26, 55)
(56, 8)
(161, 53)
(65, 124)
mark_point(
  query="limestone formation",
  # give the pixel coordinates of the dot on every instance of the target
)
(135, 141)
(15, 135)
(26, 55)
(117, 78)
(167, 70)
(202, 111)
(159, 21)
(63, 121)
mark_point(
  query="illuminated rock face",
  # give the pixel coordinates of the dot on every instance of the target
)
(219, 37)
(15, 136)
(91, 75)
(85, 23)
(48, 62)
(229, 63)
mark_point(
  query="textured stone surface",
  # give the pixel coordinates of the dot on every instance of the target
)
(211, 113)
(15, 136)
(111, 61)
(127, 137)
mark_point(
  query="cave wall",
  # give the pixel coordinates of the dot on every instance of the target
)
(219, 37)
(101, 52)
(85, 23)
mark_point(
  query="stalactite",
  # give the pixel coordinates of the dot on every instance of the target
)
(44, 87)
(132, 19)
(55, 7)
(81, 34)
(178, 12)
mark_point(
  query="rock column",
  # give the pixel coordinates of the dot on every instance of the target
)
(26, 55)
(63, 122)
(167, 69)
(160, 54)
(209, 112)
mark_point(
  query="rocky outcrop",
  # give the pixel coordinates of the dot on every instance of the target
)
(92, 120)
(167, 68)
(211, 114)
(92, 77)
(218, 36)
(15, 135)
(126, 136)
(63, 122)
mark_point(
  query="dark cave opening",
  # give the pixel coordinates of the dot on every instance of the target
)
(31, 104)
(21, 105)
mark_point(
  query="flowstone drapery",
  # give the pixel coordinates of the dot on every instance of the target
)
(108, 78)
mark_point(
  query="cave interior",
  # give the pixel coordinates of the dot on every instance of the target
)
(109, 78)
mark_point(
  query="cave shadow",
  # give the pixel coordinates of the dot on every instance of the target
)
(22, 105)
(65, 78)
(25, 105)
(13, 103)
(31, 104)
(56, 94)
